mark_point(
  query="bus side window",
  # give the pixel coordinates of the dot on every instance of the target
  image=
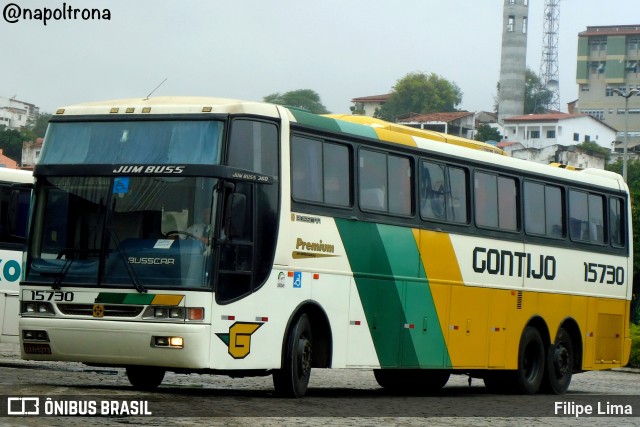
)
(432, 203)
(253, 145)
(306, 169)
(373, 180)
(14, 213)
(616, 217)
(586, 216)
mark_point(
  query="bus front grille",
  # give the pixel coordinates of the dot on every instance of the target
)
(110, 310)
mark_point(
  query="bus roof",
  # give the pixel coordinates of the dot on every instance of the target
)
(356, 125)
(16, 176)
(170, 105)
(419, 133)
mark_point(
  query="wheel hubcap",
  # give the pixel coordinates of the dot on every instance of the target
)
(530, 362)
(304, 356)
(561, 361)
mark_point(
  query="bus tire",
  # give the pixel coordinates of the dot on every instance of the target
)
(531, 362)
(411, 381)
(559, 366)
(292, 379)
(145, 378)
(389, 379)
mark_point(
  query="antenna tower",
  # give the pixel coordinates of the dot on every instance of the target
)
(549, 64)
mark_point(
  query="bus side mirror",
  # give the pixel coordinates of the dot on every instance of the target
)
(18, 212)
(235, 215)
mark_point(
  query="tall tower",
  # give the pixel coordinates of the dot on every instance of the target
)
(513, 64)
(549, 63)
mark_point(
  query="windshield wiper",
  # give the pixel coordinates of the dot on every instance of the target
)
(125, 259)
(59, 276)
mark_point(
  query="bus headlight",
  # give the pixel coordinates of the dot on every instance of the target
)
(173, 313)
(29, 335)
(167, 342)
(32, 308)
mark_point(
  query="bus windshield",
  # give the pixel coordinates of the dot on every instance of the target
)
(141, 142)
(140, 231)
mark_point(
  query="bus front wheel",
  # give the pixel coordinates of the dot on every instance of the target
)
(292, 379)
(145, 377)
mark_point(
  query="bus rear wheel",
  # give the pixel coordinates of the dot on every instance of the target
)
(292, 379)
(530, 372)
(559, 367)
(145, 378)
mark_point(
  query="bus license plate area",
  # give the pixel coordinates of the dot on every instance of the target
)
(30, 348)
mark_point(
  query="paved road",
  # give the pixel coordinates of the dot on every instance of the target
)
(335, 397)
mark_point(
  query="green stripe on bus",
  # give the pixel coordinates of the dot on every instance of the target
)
(357, 129)
(395, 295)
(119, 298)
(332, 124)
(309, 119)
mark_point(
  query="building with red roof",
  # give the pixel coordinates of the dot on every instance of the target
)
(460, 123)
(368, 105)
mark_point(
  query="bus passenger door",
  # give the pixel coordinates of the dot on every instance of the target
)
(234, 275)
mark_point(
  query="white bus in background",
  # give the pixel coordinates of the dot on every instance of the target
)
(12, 242)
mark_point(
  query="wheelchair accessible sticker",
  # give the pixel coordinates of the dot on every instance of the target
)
(297, 279)
(121, 185)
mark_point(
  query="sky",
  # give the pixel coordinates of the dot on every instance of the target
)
(247, 49)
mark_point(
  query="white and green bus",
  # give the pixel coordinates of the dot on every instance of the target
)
(204, 235)
(14, 212)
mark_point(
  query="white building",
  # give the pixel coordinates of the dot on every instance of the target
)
(368, 105)
(565, 155)
(31, 153)
(544, 130)
(460, 123)
(16, 114)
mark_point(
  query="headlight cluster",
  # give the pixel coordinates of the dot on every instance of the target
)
(167, 342)
(33, 308)
(29, 335)
(172, 313)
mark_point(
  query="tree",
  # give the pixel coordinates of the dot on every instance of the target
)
(487, 133)
(39, 127)
(420, 93)
(536, 95)
(11, 143)
(305, 99)
(633, 179)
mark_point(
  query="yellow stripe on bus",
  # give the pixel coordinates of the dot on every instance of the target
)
(167, 299)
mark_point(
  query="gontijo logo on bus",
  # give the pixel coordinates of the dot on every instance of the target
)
(313, 249)
(239, 338)
(506, 263)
